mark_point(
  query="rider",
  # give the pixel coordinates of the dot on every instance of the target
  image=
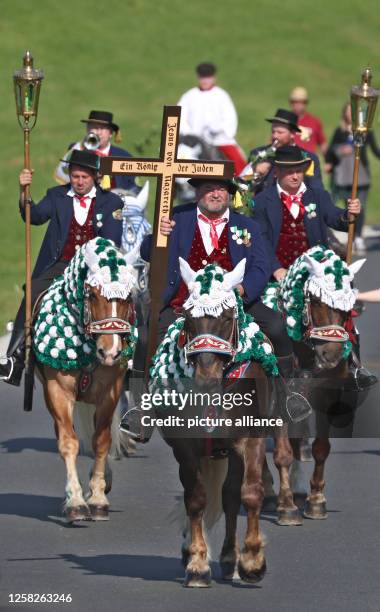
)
(209, 113)
(208, 231)
(294, 217)
(283, 133)
(77, 213)
(101, 123)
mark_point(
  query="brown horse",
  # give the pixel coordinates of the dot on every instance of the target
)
(104, 315)
(322, 352)
(210, 343)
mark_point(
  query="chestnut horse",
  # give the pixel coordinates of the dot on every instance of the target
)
(95, 297)
(210, 343)
(321, 348)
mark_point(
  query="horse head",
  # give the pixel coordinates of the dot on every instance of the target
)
(109, 312)
(210, 334)
(328, 300)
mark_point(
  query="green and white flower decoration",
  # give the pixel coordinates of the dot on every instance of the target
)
(212, 290)
(59, 338)
(311, 210)
(322, 273)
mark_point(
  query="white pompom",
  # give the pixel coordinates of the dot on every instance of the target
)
(60, 343)
(54, 352)
(71, 354)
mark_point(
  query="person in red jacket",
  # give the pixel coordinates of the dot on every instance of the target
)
(311, 137)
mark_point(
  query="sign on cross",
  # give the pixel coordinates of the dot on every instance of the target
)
(166, 168)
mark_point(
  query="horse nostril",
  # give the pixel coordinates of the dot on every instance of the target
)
(117, 355)
(101, 352)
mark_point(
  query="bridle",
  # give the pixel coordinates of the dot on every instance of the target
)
(210, 343)
(326, 333)
(108, 325)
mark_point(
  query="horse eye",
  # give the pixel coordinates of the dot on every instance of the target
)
(92, 296)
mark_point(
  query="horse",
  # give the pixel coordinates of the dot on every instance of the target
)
(135, 227)
(83, 341)
(213, 342)
(316, 298)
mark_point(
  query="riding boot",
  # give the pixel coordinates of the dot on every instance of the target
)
(13, 365)
(293, 404)
(359, 378)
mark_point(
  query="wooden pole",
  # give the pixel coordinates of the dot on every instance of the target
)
(29, 375)
(351, 218)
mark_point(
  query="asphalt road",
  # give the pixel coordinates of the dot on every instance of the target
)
(132, 562)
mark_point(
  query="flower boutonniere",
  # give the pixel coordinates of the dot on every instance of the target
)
(311, 210)
(242, 236)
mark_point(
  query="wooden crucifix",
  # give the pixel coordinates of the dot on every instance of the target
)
(166, 168)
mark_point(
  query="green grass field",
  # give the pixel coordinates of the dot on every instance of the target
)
(134, 56)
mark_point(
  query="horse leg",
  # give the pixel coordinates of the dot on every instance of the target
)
(315, 507)
(198, 572)
(252, 564)
(231, 499)
(61, 405)
(270, 498)
(96, 499)
(297, 478)
(287, 511)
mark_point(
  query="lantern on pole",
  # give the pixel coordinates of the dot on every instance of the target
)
(27, 85)
(363, 106)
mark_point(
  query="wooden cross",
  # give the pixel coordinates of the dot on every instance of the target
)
(166, 168)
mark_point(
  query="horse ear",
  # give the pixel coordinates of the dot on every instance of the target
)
(313, 265)
(132, 256)
(142, 197)
(235, 277)
(187, 273)
(355, 267)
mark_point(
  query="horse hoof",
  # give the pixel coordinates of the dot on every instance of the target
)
(289, 517)
(252, 576)
(197, 580)
(316, 511)
(99, 513)
(227, 569)
(77, 513)
(269, 504)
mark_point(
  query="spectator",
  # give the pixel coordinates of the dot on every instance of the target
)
(311, 136)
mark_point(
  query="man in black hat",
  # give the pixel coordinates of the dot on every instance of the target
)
(284, 129)
(294, 217)
(101, 124)
(76, 212)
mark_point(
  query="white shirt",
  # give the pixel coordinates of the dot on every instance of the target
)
(80, 212)
(205, 229)
(209, 114)
(295, 208)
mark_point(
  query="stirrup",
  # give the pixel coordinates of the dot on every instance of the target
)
(7, 377)
(298, 407)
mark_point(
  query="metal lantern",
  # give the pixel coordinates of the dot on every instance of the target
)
(27, 85)
(363, 106)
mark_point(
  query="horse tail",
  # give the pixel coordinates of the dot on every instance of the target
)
(84, 419)
(213, 473)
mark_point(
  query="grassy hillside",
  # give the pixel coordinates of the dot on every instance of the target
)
(134, 56)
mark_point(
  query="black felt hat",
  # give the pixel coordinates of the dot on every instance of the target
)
(291, 156)
(85, 159)
(230, 185)
(102, 117)
(286, 117)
